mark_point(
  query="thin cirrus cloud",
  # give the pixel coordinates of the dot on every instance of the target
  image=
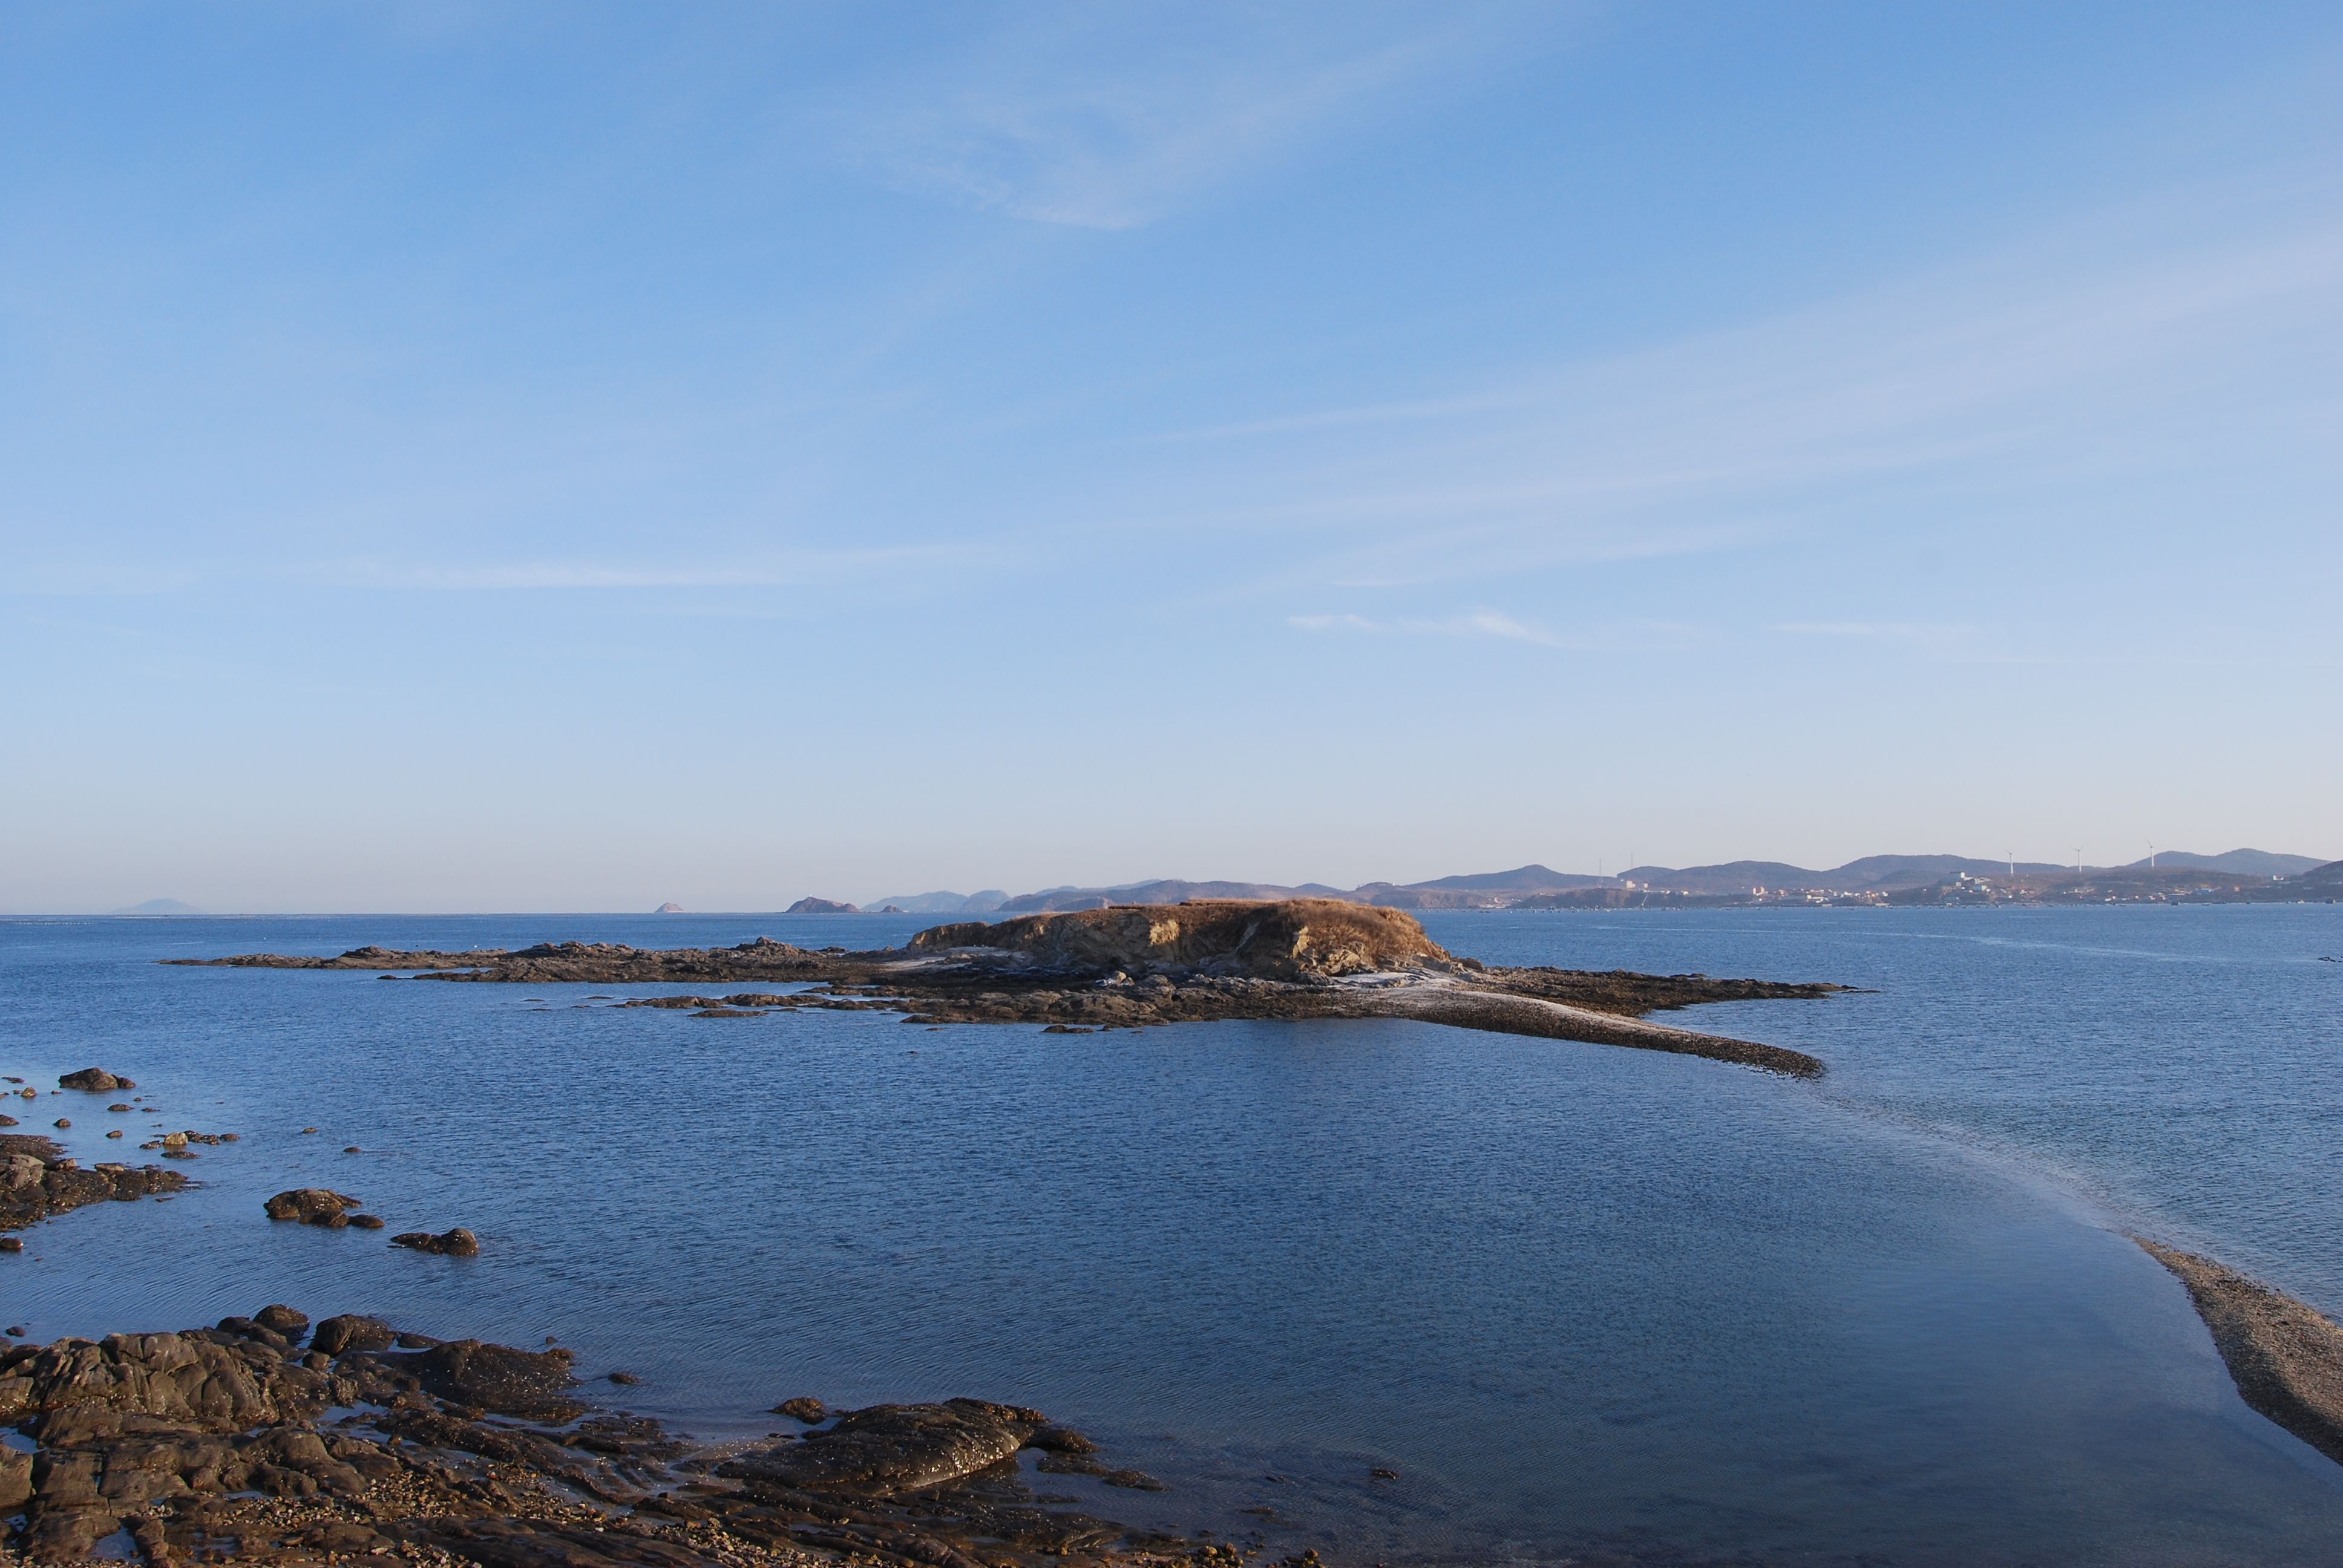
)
(765, 568)
(2122, 346)
(1497, 625)
(1114, 119)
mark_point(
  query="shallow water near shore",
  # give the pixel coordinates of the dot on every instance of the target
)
(1587, 1303)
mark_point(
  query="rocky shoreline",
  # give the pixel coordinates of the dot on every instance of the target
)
(242, 1442)
(1134, 966)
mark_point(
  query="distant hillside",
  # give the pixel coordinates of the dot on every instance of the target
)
(1873, 879)
(160, 907)
(1167, 892)
(1520, 880)
(942, 903)
(1732, 877)
(2329, 874)
(2239, 862)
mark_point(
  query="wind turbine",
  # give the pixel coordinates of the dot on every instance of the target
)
(2151, 854)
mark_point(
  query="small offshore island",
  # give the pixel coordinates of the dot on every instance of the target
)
(1128, 966)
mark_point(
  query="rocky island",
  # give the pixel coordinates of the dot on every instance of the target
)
(1133, 965)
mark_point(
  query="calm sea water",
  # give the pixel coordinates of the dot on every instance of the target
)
(1589, 1303)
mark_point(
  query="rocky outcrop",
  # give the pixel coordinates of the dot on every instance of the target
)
(2286, 1358)
(38, 1181)
(471, 1372)
(820, 907)
(96, 1080)
(1130, 966)
(320, 1206)
(350, 1331)
(222, 1442)
(1296, 940)
(893, 1448)
(204, 1380)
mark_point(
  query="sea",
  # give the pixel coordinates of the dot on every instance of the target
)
(1402, 1293)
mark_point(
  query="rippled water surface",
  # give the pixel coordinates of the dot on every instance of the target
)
(1587, 1303)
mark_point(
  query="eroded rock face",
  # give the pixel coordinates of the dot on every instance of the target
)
(94, 1080)
(893, 1448)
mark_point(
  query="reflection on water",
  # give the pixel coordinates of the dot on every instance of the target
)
(1583, 1300)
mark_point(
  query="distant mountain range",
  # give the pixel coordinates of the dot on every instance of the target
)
(1872, 878)
(2243, 862)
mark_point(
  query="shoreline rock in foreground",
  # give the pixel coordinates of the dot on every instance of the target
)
(222, 1443)
(2286, 1357)
(1133, 965)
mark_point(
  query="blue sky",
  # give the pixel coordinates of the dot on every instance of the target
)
(463, 457)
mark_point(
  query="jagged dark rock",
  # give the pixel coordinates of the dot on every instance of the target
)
(215, 1442)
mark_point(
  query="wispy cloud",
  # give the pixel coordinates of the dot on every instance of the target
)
(1495, 624)
(1113, 118)
(1876, 630)
(765, 569)
(2134, 341)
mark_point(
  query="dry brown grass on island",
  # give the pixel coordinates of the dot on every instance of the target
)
(1130, 966)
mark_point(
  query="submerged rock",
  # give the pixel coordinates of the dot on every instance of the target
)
(458, 1242)
(313, 1206)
